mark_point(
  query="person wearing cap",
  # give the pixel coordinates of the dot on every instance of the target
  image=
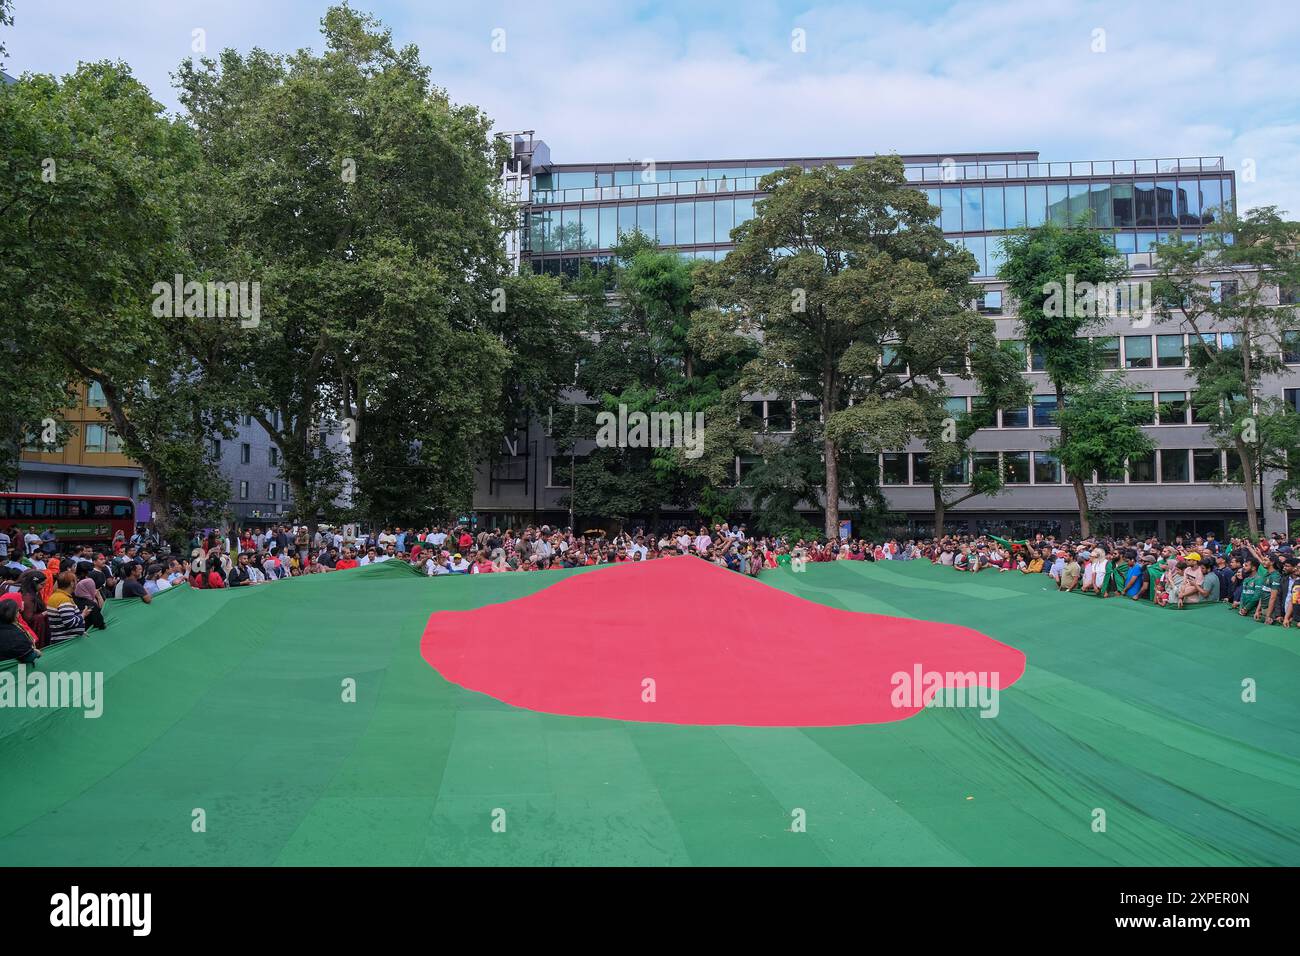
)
(458, 564)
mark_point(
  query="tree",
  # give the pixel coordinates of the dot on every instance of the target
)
(1066, 281)
(370, 206)
(855, 298)
(6, 20)
(100, 192)
(657, 349)
(1253, 257)
(1102, 429)
(998, 369)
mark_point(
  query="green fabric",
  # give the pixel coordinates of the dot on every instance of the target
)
(231, 701)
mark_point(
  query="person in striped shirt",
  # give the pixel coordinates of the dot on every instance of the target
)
(64, 616)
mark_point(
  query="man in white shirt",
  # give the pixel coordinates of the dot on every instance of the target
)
(437, 538)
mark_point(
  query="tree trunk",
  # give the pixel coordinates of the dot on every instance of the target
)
(832, 489)
(940, 511)
(1081, 495)
(1248, 482)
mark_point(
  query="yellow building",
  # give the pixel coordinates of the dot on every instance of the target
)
(89, 461)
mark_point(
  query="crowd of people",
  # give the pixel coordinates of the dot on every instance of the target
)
(1258, 579)
(50, 593)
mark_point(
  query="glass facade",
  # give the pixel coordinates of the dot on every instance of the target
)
(692, 205)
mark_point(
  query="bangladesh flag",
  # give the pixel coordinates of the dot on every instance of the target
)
(665, 713)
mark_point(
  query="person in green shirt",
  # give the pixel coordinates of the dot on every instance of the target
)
(1270, 597)
(1252, 582)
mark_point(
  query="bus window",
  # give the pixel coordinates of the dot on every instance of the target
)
(77, 508)
(20, 507)
(123, 509)
(49, 507)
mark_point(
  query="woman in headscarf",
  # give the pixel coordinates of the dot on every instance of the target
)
(29, 588)
(51, 575)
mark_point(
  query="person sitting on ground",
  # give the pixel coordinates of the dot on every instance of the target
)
(29, 585)
(89, 601)
(15, 643)
(65, 618)
(1209, 589)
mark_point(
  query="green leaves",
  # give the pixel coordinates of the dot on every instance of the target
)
(856, 299)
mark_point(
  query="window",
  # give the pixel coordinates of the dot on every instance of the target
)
(665, 219)
(1223, 290)
(100, 438)
(921, 468)
(284, 492)
(1173, 465)
(958, 473)
(1019, 346)
(1045, 409)
(1108, 348)
(1205, 464)
(270, 491)
(1169, 351)
(1121, 201)
(557, 472)
(273, 455)
(1037, 360)
(1015, 417)
(1173, 408)
(1015, 467)
(1293, 398)
(95, 396)
(248, 419)
(1137, 351)
(1047, 469)
(216, 448)
(991, 302)
(778, 416)
(245, 453)
(243, 491)
(1144, 401)
(1114, 476)
(985, 461)
(684, 216)
(895, 468)
(1142, 470)
(745, 466)
(1291, 347)
(751, 416)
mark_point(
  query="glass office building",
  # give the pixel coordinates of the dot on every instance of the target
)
(575, 212)
(578, 212)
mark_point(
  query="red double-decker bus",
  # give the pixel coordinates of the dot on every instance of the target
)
(76, 519)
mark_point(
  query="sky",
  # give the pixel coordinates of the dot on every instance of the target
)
(693, 79)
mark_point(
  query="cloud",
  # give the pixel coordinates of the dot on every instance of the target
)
(678, 80)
